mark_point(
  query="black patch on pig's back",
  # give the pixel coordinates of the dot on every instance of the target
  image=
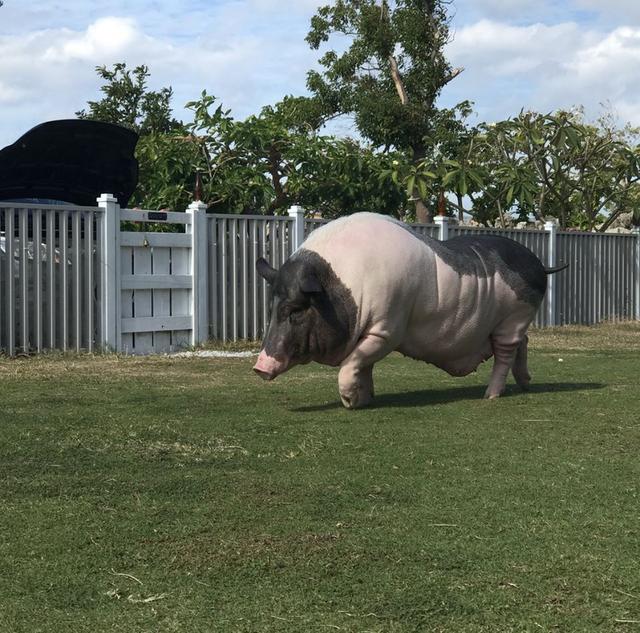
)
(486, 255)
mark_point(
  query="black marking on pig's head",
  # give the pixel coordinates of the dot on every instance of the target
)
(313, 314)
(486, 255)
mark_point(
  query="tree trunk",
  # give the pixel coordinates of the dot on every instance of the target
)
(281, 199)
(460, 208)
(424, 215)
(611, 219)
(502, 222)
(538, 213)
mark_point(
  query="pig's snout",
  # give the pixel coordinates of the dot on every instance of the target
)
(265, 375)
(267, 367)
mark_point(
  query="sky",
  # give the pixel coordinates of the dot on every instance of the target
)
(533, 54)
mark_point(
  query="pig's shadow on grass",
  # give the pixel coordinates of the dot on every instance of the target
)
(427, 397)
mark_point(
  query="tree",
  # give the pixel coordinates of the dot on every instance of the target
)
(166, 166)
(557, 165)
(128, 101)
(263, 164)
(273, 160)
(390, 75)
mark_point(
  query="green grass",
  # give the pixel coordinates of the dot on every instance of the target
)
(171, 494)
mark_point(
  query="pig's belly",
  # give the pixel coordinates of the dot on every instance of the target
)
(457, 355)
(467, 364)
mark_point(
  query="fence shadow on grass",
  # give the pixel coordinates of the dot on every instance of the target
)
(427, 397)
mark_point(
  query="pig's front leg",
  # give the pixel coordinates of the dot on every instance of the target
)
(355, 380)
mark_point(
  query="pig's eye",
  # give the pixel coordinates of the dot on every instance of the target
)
(295, 316)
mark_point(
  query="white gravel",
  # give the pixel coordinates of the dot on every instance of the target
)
(212, 353)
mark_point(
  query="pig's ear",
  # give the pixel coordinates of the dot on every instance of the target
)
(266, 271)
(310, 284)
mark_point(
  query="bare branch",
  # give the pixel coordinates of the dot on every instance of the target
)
(397, 80)
(452, 75)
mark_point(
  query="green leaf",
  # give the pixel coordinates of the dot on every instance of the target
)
(411, 181)
(509, 196)
(462, 188)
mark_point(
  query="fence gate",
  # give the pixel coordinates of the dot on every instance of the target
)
(152, 304)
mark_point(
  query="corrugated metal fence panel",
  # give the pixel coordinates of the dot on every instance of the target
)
(49, 278)
(430, 230)
(311, 224)
(600, 281)
(238, 296)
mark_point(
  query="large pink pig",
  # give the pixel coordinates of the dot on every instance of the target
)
(365, 285)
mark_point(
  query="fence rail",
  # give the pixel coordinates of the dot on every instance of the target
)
(71, 278)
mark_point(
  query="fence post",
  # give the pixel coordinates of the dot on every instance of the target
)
(297, 213)
(551, 227)
(442, 221)
(636, 232)
(110, 273)
(199, 271)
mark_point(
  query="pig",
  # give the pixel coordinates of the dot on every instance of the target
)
(365, 285)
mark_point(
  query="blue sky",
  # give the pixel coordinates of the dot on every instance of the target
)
(517, 54)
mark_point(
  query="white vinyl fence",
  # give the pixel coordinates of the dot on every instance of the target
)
(72, 279)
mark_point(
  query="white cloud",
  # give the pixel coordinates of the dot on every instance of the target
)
(612, 10)
(10, 95)
(50, 73)
(546, 67)
(249, 53)
(496, 48)
(104, 39)
(612, 60)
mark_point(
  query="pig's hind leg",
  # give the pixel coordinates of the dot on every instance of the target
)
(505, 352)
(520, 369)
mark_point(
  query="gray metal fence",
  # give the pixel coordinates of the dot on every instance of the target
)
(238, 297)
(72, 279)
(49, 277)
(602, 281)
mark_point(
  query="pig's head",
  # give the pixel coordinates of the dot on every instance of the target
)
(312, 315)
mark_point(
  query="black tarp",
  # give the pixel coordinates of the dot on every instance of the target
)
(71, 161)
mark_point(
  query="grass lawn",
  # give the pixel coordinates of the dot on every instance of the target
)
(184, 494)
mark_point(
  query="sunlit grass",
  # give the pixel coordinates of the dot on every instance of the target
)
(184, 494)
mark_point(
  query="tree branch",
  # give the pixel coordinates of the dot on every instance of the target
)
(397, 80)
(452, 75)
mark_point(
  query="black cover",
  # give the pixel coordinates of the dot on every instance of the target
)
(71, 161)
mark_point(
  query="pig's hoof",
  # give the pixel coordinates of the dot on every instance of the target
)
(346, 402)
(356, 400)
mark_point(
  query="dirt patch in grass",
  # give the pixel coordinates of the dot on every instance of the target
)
(171, 372)
(195, 452)
(247, 345)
